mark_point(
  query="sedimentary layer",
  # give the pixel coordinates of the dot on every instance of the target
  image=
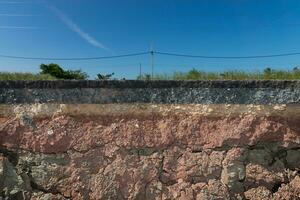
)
(120, 149)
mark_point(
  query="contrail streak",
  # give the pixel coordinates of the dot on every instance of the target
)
(75, 28)
(14, 2)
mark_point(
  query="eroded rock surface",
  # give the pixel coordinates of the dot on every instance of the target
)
(149, 152)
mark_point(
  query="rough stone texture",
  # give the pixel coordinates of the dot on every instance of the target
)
(150, 151)
(69, 84)
(202, 92)
(233, 172)
(150, 155)
(259, 193)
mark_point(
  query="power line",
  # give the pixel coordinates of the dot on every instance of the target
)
(152, 53)
(75, 59)
(226, 57)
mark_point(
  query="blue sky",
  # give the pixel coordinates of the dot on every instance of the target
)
(87, 28)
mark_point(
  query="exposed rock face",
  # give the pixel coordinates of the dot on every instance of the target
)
(151, 156)
(149, 151)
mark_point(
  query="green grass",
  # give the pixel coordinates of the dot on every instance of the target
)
(5, 76)
(267, 74)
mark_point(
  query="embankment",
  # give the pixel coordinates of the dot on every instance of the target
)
(150, 140)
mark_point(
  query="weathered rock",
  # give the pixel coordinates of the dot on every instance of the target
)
(193, 167)
(12, 185)
(257, 175)
(128, 177)
(259, 193)
(86, 157)
(46, 172)
(47, 196)
(260, 156)
(150, 151)
(289, 191)
(213, 190)
(180, 190)
(293, 159)
(234, 170)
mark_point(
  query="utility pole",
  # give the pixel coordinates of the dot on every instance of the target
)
(152, 61)
(140, 70)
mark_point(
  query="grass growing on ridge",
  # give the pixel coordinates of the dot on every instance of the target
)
(11, 76)
(267, 74)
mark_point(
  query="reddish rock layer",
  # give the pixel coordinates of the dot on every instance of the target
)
(61, 133)
(149, 155)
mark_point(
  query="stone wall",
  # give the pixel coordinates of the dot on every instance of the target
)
(150, 140)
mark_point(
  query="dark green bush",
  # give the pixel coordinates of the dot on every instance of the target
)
(56, 71)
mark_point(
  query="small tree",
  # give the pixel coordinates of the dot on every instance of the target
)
(52, 69)
(56, 71)
(105, 76)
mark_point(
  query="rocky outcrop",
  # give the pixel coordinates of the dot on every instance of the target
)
(155, 155)
(150, 151)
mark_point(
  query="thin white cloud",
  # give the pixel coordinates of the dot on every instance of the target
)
(17, 15)
(74, 27)
(14, 2)
(19, 27)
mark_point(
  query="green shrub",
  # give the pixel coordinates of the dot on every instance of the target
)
(56, 71)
